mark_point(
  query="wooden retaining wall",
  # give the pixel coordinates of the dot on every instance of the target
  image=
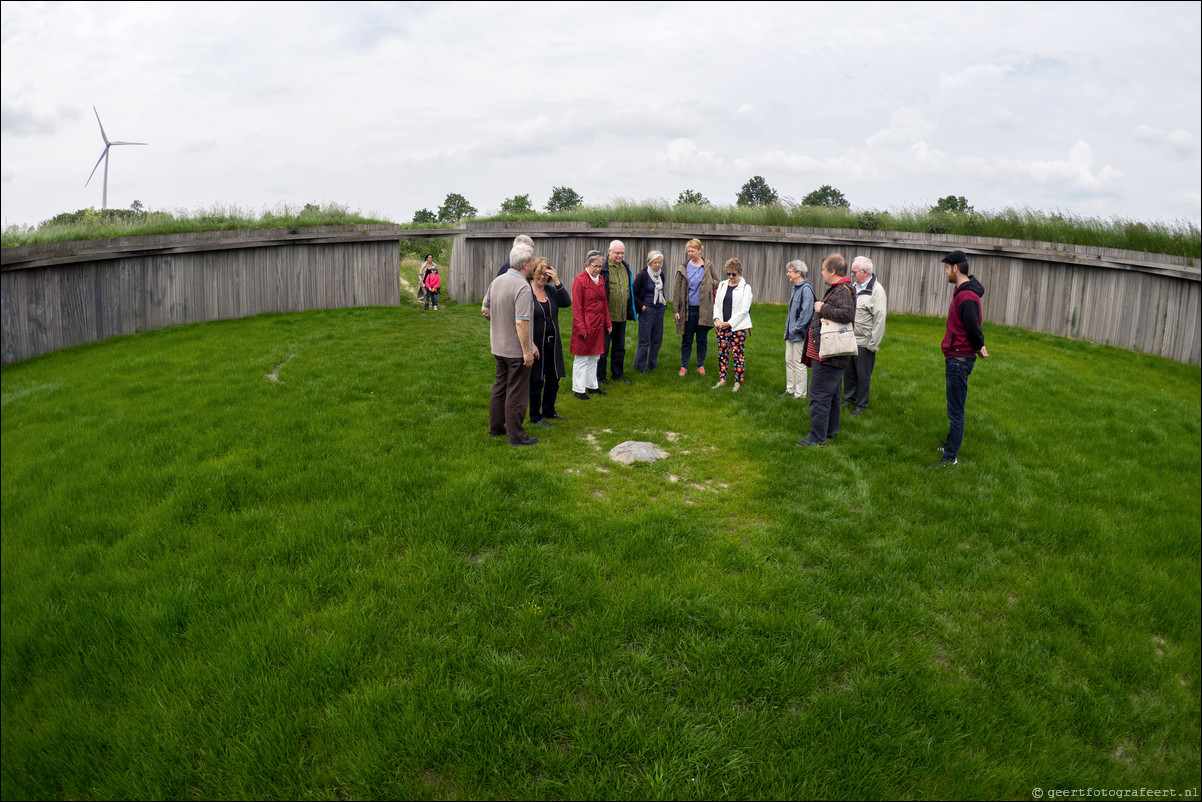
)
(1140, 301)
(57, 295)
(62, 294)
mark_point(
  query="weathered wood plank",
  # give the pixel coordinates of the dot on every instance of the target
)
(56, 297)
(1145, 302)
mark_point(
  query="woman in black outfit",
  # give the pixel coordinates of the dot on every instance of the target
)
(549, 297)
(826, 376)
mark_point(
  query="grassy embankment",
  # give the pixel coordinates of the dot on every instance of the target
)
(96, 224)
(1179, 238)
(219, 585)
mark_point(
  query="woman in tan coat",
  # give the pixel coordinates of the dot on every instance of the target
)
(693, 304)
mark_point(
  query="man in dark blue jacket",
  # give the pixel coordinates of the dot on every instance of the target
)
(962, 344)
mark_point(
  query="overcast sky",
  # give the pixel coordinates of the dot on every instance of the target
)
(1089, 108)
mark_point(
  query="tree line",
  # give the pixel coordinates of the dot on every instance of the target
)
(756, 192)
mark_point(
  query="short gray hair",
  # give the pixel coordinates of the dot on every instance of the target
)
(799, 266)
(864, 262)
(520, 255)
(617, 242)
(651, 257)
(522, 239)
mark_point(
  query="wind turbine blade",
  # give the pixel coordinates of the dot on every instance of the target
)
(102, 134)
(104, 153)
(129, 143)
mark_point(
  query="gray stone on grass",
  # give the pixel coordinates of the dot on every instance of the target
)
(636, 451)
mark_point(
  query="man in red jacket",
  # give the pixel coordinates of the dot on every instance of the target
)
(962, 344)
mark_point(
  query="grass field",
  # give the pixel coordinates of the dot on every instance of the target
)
(335, 585)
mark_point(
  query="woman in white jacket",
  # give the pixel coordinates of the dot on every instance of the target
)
(732, 321)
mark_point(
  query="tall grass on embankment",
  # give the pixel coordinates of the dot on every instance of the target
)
(111, 223)
(1178, 238)
(280, 557)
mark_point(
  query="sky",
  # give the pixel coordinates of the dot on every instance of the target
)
(1093, 109)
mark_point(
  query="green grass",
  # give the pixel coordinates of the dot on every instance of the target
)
(108, 224)
(1177, 238)
(220, 586)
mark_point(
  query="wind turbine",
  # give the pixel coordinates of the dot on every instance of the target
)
(104, 157)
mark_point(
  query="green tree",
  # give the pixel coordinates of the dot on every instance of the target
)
(455, 207)
(562, 199)
(827, 196)
(424, 216)
(137, 208)
(518, 204)
(691, 197)
(956, 204)
(756, 192)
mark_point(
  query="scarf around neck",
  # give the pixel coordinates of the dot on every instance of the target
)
(657, 278)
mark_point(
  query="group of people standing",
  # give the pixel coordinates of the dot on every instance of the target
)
(609, 294)
(523, 304)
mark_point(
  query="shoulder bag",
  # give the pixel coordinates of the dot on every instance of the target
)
(837, 339)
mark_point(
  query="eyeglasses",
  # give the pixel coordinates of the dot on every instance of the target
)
(731, 275)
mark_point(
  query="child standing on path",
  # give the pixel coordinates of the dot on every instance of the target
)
(432, 285)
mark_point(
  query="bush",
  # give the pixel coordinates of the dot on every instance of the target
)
(827, 196)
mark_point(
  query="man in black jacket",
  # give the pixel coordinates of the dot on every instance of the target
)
(963, 342)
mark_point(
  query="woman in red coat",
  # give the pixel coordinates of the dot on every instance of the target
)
(590, 321)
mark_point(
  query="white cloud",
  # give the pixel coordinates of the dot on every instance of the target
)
(906, 125)
(976, 74)
(1001, 117)
(923, 154)
(1191, 197)
(1077, 171)
(685, 153)
(1179, 142)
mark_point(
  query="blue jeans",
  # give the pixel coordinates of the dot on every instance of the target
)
(693, 328)
(957, 372)
(651, 336)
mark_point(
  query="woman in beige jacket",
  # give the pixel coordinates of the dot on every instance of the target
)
(693, 304)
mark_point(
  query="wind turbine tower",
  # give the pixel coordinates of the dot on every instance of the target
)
(104, 157)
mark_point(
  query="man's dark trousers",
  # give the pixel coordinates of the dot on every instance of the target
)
(615, 350)
(857, 380)
(510, 396)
